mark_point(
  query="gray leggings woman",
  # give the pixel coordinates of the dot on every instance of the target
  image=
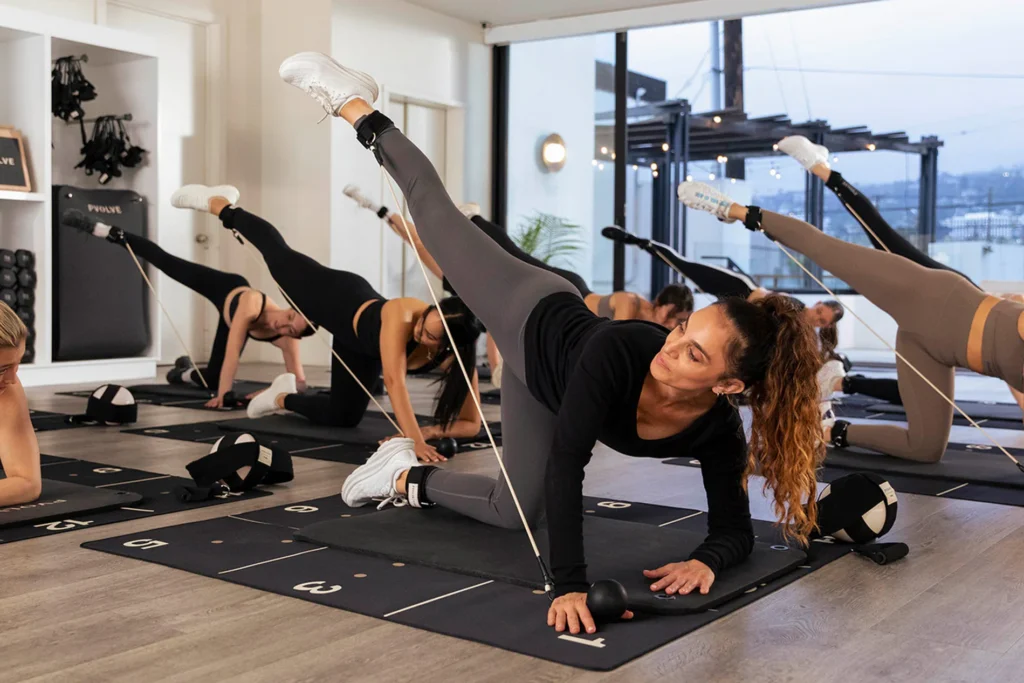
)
(934, 310)
(502, 291)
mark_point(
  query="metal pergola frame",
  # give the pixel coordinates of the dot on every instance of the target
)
(670, 135)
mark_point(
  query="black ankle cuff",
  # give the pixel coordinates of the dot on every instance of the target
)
(116, 235)
(839, 429)
(227, 217)
(370, 127)
(415, 486)
(835, 181)
(753, 220)
(382, 212)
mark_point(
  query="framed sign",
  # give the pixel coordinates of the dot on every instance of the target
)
(13, 168)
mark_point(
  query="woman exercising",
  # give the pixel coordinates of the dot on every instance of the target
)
(19, 450)
(673, 305)
(245, 313)
(944, 322)
(574, 378)
(371, 334)
(814, 158)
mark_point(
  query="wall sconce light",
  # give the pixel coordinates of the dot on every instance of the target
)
(552, 153)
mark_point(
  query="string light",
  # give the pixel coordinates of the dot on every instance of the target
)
(711, 176)
(635, 167)
(722, 159)
(717, 119)
(689, 178)
(654, 166)
(775, 148)
(613, 156)
(778, 176)
(604, 150)
(871, 147)
(664, 147)
(594, 162)
(654, 174)
(772, 171)
(600, 167)
(835, 160)
(732, 180)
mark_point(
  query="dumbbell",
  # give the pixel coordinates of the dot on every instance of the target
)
(26, 278)
(8, 259)
(8, 278)
(9, 297)
(25, 258)
(27, 315)
(25, 297)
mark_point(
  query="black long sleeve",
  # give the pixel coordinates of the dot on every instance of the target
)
(592, 376)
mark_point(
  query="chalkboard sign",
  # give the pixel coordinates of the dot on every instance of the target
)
(13, 169)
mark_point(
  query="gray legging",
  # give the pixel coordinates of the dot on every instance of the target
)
(934, 310)
(502, 291)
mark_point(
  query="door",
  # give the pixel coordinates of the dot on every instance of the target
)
(182, 101)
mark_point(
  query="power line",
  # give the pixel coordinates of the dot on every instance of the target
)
(856, 72)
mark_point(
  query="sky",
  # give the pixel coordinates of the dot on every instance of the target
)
(974, 101)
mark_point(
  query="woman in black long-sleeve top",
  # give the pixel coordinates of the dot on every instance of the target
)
(572, 379)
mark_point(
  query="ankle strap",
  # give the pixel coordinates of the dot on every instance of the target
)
(369, 128)
(753, 219)
(415, 491)
(839, 439)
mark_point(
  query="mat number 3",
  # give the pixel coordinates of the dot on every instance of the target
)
(316, 588)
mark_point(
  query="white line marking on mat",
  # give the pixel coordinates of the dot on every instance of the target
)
(952, 489)
(682, 518)
(872, 416)
(276, 559)
(597, 642)
(136, 481)
(137, 509)
(316, 448)
(256, 521)
(440, 597)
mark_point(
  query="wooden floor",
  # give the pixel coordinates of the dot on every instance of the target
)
(952, 611)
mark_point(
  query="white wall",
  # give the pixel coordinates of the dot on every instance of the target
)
(417, 54)
(551, 90)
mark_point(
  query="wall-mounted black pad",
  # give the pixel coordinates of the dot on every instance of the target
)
(370, 430)
(442, 539)
(61, 500)
(99, 297)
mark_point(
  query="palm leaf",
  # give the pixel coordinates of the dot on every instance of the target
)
(547, 237)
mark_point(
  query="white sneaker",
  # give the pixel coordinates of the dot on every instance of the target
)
(198, 197)
(828, 416)
(827, 376)
(496, 374)
(804, 151)
(470, 209)
(703, 197)
(376, 479)
(264, 403)
(361, 199)
(326, 81)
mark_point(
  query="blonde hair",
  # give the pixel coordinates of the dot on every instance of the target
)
(12, 329)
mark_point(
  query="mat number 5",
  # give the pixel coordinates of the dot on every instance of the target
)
(316, 588)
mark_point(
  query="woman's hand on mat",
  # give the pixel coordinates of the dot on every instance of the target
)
(570, 611)
(215, 402)
(682, 577)
(427, 453)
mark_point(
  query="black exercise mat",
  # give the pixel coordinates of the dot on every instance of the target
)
(616, 549)
(43, 421)
(179, 395)
(156, 494)
(209, 432)
(994, 415)
(372, 428)
(491, 397)
(256, 549)
(61, 499)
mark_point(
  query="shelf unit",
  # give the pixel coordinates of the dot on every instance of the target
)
(124, 67)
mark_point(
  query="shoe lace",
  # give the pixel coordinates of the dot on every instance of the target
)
(397, 500)
(324, 96)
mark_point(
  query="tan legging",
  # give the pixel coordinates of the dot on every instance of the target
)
(934, 310)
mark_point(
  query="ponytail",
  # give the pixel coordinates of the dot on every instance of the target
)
(776, 356)
(465, 328)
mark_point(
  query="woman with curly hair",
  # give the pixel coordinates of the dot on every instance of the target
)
(573, 378)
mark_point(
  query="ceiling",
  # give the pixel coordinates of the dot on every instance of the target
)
(503, 12)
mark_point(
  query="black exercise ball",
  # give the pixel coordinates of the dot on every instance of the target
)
(448, 447)
(606, 600)
(857, 508)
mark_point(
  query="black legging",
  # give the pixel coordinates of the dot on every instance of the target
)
(719, 282)
(213, 284)
(330, 298)
(882, 388)
(880, 233)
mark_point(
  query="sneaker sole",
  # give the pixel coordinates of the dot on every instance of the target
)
(321, 61)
